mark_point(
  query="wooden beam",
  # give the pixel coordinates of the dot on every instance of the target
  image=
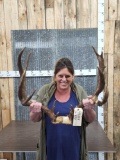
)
(117, 90)
(109, 49)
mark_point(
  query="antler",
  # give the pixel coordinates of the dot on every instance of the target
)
(100, 81)
(22, 85)
(54, 117)
(22, 88)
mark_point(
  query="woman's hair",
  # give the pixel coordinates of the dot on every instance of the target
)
(63, 63)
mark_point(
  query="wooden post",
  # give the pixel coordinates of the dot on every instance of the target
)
(109, 49)
(116, 85)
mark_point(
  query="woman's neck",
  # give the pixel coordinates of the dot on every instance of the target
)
(62, 95)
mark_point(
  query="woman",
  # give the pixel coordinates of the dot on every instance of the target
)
(61, 141)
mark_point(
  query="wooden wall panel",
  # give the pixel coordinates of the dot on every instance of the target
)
(49, 8)
(70, 14)
(14, 24)
(49, 3)
(58, 14)
(113, 9)
(93, 13)
(22, 14)
(35, 14)
(50, 24)
(83, 14)
(4, 83)
(5, 117)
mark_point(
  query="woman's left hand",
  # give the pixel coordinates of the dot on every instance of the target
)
(88, 103)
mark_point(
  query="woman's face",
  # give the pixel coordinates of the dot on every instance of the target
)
(63, 79)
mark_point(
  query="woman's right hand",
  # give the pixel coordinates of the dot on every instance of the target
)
(35, 106)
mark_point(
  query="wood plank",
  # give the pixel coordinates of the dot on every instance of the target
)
(109, 48)
(5, 117)
(70, 14)
(0, 118)
(1, 155)
(4, 83)
(117, 91)
(40, 14)
(31, 19)
(35, 14)
(7, 18)
(109, 37)
(22, 14)
(118, 12)
(14, 26)
(105, 112)
(8, 156)
(6, 121)
(50, 18)
(83, 14)
(59, 14)
(14, 15)
(106, 10)
(93, 14)
(113, 9)
(2, 46)
(11, 22)
(49, 3)
(9, 87)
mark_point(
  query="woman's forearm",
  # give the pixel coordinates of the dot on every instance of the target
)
(35, 116)
(89, 114)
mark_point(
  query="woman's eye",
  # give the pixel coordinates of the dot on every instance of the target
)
(61, 76)
(66, 76)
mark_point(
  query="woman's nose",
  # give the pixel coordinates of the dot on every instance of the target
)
(64, 78)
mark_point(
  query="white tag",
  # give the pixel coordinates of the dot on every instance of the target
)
(77, 119)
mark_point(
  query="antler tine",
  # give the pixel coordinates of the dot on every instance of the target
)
(22, 85)
(100, 59)
(105, 97)
(19, 62)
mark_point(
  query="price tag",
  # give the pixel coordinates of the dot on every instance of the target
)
(77, 119)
